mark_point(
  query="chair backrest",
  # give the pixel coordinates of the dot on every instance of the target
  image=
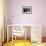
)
(18, 30)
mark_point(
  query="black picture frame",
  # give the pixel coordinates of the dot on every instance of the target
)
(27, 9)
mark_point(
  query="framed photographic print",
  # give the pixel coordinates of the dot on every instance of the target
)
(27, 9)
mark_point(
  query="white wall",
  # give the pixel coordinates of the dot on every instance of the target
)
(38, 15)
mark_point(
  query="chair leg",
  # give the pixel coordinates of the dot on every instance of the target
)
(15, 38)
(12, 36)
(25, 36)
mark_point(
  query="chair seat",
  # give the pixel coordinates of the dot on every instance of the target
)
(18, 33)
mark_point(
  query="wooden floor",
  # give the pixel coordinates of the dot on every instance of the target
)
(18, 43)
(23, 43)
